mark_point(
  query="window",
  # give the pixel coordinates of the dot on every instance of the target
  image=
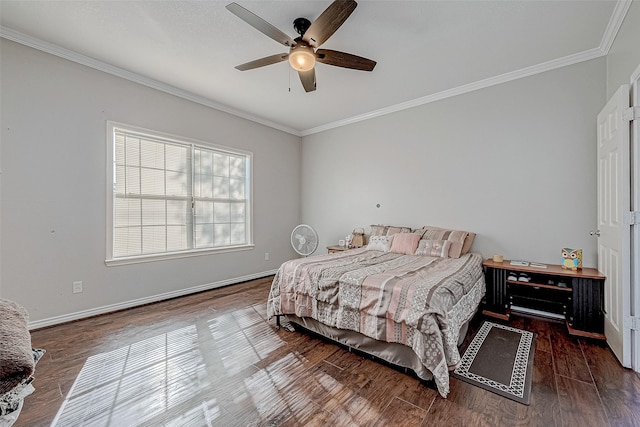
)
(170, 197)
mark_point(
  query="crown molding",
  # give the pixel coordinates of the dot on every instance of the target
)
(480, 84)
(81, 59)
(615, 22)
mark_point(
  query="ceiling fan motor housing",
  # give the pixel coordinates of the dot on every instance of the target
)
(301, 25)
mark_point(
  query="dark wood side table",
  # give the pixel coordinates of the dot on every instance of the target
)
(576, 296)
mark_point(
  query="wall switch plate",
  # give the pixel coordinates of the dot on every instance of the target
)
(77, 287)
(266, 256)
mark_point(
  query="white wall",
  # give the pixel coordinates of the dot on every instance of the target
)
(53, 194)
(624, 55)
(515, 163)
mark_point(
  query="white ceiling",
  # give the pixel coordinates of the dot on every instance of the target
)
(426, 50)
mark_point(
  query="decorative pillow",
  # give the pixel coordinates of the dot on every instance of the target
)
(405, 243)
(438, 248)
(380, 243)
(468, 241)
(379, 230)
(456, 238)
(391, 230)
(419, 231)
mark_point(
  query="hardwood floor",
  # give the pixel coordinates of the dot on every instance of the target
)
(211, 359)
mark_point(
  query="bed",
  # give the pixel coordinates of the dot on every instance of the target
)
(409, 310)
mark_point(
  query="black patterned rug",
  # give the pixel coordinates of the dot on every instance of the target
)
(499, 359)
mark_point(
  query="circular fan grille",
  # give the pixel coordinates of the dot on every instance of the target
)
(304, 239)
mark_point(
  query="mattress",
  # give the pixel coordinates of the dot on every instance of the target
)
(418, 302)
(398, 355)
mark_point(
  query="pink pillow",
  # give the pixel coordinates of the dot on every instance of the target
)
(405, 243)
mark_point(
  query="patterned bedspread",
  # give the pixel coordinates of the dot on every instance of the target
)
(390, 297)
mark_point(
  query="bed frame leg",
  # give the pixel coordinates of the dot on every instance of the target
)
(278, 320)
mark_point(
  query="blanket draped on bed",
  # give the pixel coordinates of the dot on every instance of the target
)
(386, 296)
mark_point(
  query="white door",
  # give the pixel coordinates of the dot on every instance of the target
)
(613, 204)
(635, 205)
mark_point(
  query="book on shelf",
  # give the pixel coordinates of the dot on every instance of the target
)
(528, 264)
(537, 265)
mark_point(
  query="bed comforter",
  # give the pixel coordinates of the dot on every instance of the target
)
(417, 301)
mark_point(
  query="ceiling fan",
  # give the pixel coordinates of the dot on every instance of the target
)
(303, 50)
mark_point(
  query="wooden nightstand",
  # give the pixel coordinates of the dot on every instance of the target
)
(575, 296)
(337, 248)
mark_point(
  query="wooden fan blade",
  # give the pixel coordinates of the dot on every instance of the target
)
(308, 79)
(345, 60)
(273, 59)
(329, 21)
(260, 24)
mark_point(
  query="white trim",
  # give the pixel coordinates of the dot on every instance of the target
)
(634, 76)
(635, 230)
(175, 255)
(79, 58)
(151, 133)
(111, 127)
(615, 22)
(481, 84)
(146, 300)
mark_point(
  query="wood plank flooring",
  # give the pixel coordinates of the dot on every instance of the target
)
(212, 359)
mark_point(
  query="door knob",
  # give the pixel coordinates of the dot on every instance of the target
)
(594, 233)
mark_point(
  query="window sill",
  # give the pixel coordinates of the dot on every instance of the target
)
(176, 255)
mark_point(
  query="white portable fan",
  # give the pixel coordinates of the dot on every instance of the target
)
(304, 239)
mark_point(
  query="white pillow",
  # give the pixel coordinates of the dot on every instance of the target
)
(380, 243)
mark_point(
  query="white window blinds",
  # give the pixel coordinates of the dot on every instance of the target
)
(219, 192)
(171, 196)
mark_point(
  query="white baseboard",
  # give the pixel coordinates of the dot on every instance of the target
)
(146, 300)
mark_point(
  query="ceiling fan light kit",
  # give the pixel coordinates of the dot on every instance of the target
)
(304, 52)
(302, 58)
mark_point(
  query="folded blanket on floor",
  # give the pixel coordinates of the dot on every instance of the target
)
(16, 355)
(11, 402)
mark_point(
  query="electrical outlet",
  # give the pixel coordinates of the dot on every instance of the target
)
(77, 287)
(266, 256)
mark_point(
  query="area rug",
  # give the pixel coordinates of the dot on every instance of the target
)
(499, 359)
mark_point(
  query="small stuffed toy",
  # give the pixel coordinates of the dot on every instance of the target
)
(571, 259)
